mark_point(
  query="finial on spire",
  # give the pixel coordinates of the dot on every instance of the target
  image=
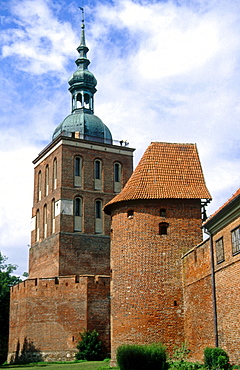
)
(82, 41)
(82, 10)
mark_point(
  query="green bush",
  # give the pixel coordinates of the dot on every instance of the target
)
(216, 358)
(142, 357)
(185, 365)
(90, 347)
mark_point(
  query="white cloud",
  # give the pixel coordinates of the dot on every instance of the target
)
(41, 42)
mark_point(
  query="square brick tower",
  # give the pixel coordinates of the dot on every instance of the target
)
(69, 260)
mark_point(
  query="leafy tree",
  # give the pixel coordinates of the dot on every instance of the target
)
(90, 347)
(6, 280)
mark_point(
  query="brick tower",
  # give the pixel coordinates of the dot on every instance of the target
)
(75, 176)
(155, 219)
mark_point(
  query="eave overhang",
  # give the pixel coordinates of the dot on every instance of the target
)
(224, 216)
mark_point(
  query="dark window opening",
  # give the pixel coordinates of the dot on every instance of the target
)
(236, 240)
(77, 207)
(219, 250)
(76, 278)
(163, 212)
(163, 227)
(117, 172)
(77, 166)
(98, 209)
(130, 213)
(97, 170)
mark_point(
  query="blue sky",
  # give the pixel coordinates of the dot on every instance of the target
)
(166, 70)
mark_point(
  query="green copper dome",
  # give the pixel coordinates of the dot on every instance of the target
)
(89, 126)
(82, 86)
(84, 78)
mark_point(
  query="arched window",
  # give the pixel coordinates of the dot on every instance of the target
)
(46, 180)
(39, 185)
(117, 177)
(45, 221)
(98, 174)
(79, 100)
(97, 169)
(130, 213)
(98, 217)
(78, 171)
(78, 214)
(53, 216)
(37, 225)
(55, 173)
(163, 228)
(86, 101)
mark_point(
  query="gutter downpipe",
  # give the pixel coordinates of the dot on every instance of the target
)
(213, 289)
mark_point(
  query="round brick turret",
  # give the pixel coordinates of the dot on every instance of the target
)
(150, 233)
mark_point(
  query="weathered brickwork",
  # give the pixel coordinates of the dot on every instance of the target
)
(228, 293)
(198, 297)
(146, 289)
(49, 314)
(59, 251)
(159, 265)
(198, 301)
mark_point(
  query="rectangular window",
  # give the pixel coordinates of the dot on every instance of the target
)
(219, 250)
(98, 217)
(116, 172)
(55, 173)
(97, 170)
(98, 209)
(236, 240)
(97, 175)
(46, 180)
(77, 166)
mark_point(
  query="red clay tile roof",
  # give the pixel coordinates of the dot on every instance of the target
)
(234, 196)
(166, 170)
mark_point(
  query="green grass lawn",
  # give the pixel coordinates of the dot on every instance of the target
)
(91, 365)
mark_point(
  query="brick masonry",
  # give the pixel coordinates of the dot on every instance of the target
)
(49, 314)
(161, 284)
(61, 250)
(146, 289)
(68, 289)
(199, 331)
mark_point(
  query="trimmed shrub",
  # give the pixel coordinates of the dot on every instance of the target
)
(90, 347)
(216, 358)
(142, 357)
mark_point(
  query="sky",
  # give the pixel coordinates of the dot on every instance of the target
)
(167, 71)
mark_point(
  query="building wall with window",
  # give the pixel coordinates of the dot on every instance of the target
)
(224, 229)
(75, 178)
(156, 218)
(146, 291)
(70, 237)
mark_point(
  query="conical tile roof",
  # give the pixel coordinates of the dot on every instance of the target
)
(166, 170)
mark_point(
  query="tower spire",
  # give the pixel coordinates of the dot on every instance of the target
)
(82, 86)
(82, 61)
(82, 40)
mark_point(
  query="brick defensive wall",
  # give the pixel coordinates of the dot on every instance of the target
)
(47, 315)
